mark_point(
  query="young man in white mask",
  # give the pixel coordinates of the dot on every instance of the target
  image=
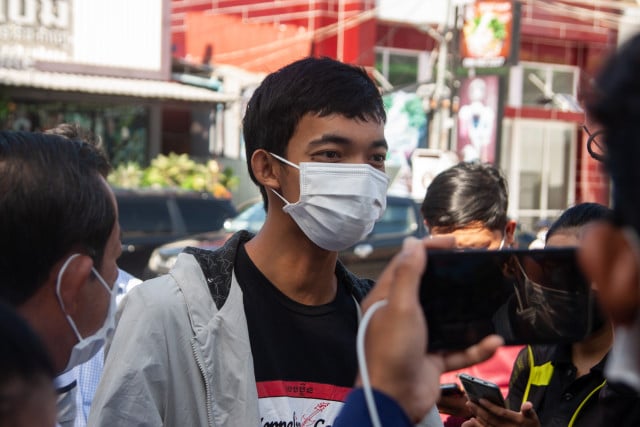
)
(262, 331)
(469, 202)
(60, 242)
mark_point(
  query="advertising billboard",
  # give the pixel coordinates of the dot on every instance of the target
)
(478, 118)
(489, 34)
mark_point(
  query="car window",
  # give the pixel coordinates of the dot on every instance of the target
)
(397, 218)
(204, 214)
(144, 215)
(250, 219)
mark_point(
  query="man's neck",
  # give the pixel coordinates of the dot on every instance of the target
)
(298, 268)
(589, 352)
(47, 320)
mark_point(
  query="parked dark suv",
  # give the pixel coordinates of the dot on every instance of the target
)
(150, 218)
(367, 258)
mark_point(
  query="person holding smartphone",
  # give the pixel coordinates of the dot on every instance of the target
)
(558, 384)
(404, 376)
(469, 202)
(609, 255)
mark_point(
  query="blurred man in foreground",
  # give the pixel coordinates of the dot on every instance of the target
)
(60, 242)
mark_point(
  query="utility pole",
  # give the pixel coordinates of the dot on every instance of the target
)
(340, 46)
(439, 126)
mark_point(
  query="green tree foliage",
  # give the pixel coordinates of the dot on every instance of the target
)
(176, 171)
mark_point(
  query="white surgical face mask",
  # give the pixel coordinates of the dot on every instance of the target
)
(87, 347)
(339, 202)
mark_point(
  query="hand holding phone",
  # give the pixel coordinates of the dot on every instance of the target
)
(450, 389)
(477, 388)
(453, 401)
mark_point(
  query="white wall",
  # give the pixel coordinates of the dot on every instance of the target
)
(417, 12)
(118, 33)
(105, 33)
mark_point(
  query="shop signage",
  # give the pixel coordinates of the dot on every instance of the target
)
(35, 29)
(489, 34)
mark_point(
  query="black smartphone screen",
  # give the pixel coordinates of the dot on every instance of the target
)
(535, 296)
(477, 388)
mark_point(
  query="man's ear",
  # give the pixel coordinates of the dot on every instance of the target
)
(265, 168)
(609, 261)
(509, 232)
(72, 281)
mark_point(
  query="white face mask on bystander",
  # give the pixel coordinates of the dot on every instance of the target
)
(339, 202)
(87, 347)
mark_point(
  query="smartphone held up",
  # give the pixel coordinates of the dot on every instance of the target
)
(527, 296)
(477, 388)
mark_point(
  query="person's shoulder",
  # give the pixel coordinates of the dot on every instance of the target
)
(357, 286)
(152, 295)
(126, 280)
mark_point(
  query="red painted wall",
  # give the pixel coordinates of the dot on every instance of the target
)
(318, 16)
(545, 37)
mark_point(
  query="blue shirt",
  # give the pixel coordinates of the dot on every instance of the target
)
(355, 411)
(88, 374)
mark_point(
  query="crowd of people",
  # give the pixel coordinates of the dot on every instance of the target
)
(271, 329)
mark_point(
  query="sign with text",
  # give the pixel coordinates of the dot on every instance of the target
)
(90, 34)
(39, 29)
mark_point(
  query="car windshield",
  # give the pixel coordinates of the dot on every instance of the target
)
(396, 219)
(250, 219)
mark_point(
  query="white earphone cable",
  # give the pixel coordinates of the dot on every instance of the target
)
(362, 363)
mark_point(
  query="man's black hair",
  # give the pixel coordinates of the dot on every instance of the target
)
(76, 132)
(578, 215)
(464, 194)
(615, 104)
(321, 86)
(52, 201)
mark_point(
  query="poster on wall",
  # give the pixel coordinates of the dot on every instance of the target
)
(489, 35)
(478, 118)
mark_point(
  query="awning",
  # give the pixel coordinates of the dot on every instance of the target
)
(101, 85)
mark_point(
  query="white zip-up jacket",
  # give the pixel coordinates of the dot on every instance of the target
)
(176, 359)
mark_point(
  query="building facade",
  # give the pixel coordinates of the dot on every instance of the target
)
(101, 66)
(533, 100)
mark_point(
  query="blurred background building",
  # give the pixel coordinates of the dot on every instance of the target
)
(105, 64)
(492, 80)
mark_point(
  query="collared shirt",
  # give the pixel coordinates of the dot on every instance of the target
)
(557, 394)
(89, 373)
(66, 388)
(566, 393)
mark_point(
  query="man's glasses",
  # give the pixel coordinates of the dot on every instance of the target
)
(595, 147)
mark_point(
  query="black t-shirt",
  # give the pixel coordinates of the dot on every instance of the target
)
(304, 356)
